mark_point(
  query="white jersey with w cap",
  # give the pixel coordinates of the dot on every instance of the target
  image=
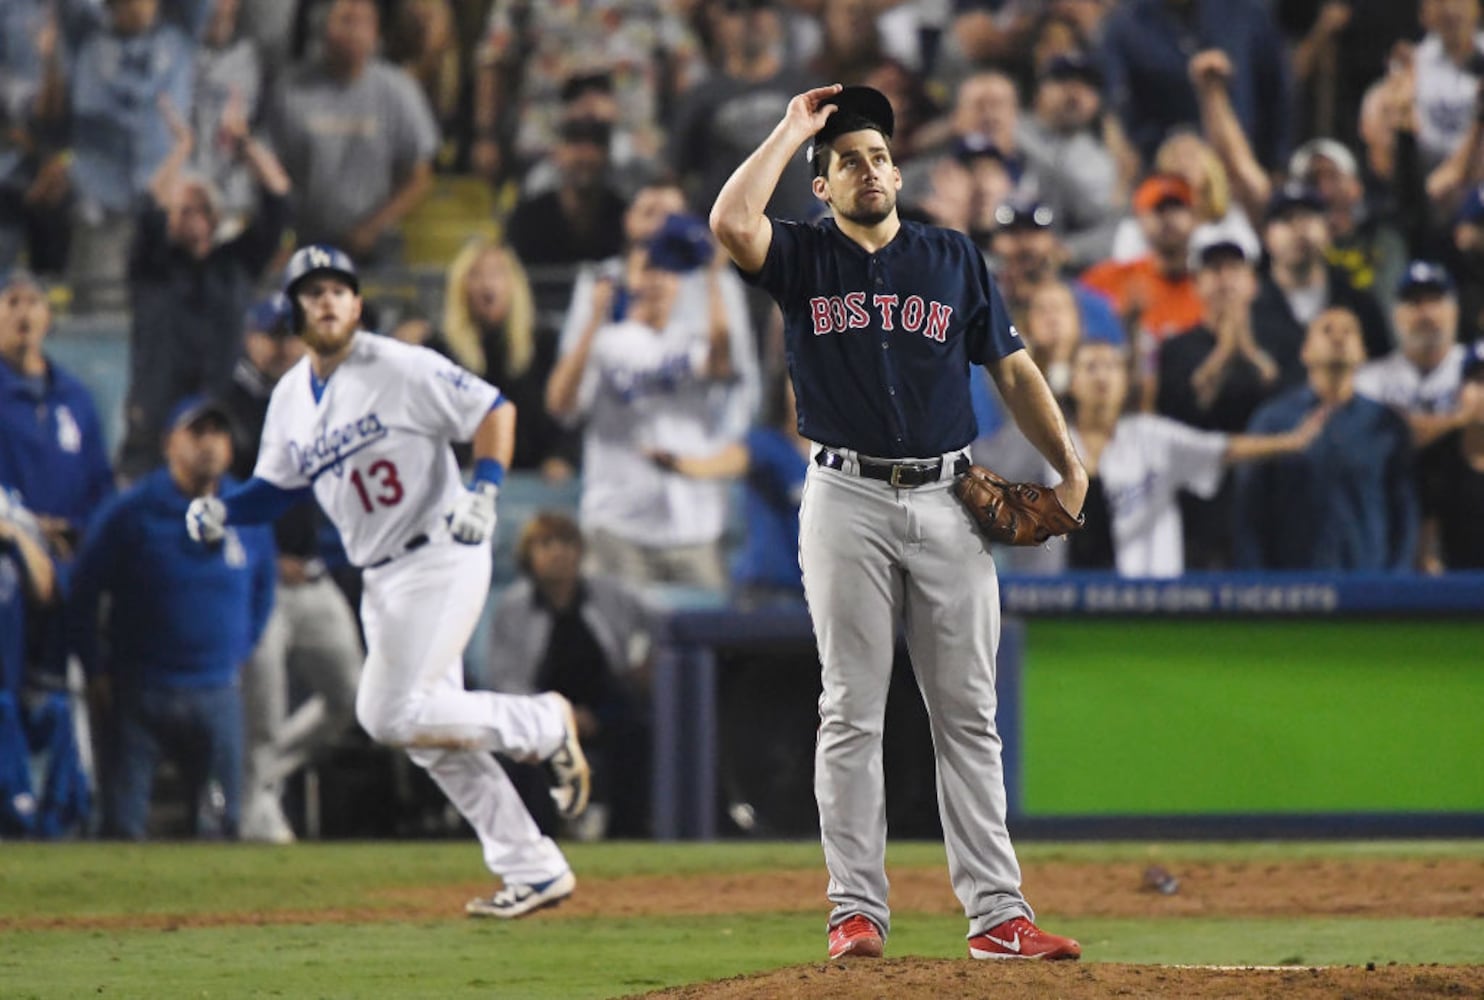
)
(375, 443)
(1397, 382)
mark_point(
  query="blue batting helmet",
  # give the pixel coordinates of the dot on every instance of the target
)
(319, 258)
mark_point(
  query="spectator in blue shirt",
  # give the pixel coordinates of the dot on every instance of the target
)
(1147, 45)
(1347, 502)
(123, 57)
(183, 619)
(51, 441)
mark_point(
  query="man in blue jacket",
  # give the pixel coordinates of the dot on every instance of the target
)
(51, 442)
(183, 618)
(1346, 502)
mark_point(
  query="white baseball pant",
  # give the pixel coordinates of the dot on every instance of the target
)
(418, 612)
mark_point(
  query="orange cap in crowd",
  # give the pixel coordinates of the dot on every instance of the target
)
(1162, 188)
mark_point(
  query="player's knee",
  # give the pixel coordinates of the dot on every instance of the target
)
(384, 721)
(427, 758)
(844, 728)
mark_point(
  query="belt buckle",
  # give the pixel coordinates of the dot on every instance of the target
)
(896, 472)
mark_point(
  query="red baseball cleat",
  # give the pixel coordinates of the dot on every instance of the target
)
(855, 937)
(1019, 938)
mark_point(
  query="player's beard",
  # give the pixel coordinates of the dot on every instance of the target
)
(322, 341)
(869, 217)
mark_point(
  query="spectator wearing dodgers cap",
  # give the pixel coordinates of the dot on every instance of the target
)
(1300, 283)
(181, 620)
(1421, 378)
(1213, 377)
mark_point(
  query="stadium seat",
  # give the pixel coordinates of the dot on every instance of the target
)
(455, 210)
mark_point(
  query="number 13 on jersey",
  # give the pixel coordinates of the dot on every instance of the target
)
(380, 485)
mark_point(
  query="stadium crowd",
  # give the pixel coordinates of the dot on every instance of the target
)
(1243, 239)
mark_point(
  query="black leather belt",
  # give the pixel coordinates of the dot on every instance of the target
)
(900, 474)
(413, 543)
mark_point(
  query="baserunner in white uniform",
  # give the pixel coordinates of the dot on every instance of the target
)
(365, 423)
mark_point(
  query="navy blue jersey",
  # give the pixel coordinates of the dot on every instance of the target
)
(879, 344)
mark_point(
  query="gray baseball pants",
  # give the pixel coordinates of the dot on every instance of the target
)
(874, 555)
(313, 632)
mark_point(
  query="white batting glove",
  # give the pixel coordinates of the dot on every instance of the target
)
(206, 520)
(472, 519)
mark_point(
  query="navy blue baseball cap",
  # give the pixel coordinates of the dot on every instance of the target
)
(1074, 66)
(681, 244)
(193, 409)
(856, 108)
(1294, 196)
(1424, 277)
(269, 315)
(319, 258)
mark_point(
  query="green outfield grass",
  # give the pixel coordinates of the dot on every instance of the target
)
(572, 957)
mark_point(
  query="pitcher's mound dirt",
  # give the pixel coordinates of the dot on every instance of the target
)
(942, 979)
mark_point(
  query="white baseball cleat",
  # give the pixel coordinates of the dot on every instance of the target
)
(263, 821)
(571, 779)
(516, 899)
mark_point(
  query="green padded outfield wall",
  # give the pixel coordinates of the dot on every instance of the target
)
(1203, 717)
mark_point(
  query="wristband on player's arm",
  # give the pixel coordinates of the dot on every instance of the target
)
(258, 501)
(488, 472)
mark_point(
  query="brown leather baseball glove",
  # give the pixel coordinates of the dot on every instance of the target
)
(1013, 513)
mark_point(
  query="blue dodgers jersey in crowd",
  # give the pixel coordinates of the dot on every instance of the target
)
(769, 556)
(879, 344)
(183, 615)
(51, 445)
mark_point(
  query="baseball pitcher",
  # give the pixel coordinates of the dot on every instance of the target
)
(881, 321)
